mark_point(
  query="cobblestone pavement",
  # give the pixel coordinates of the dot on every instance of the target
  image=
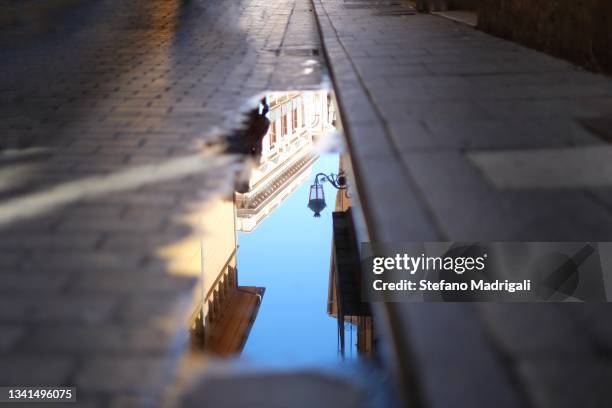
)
(485, 141)
(105, 114)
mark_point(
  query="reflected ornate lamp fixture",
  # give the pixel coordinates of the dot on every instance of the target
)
(316, 199)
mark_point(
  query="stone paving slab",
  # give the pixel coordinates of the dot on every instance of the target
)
(476, 94)
(433, 95)
(352, 384)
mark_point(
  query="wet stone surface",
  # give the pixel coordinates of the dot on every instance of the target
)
(436, 100)
(105, 163)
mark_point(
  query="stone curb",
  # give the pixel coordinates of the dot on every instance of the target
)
(394, 211)
(381, 177)
(357, 115)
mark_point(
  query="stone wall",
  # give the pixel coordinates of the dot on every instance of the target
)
(463, 4)
(578, 30)
(443, 5)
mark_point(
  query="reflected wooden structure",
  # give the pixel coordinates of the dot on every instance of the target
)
(231, 314)
(225, 311)
(345, 280)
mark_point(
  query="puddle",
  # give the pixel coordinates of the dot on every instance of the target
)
(274, 278)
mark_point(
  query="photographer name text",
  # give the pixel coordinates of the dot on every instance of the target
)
(413, 265)
(442, 285)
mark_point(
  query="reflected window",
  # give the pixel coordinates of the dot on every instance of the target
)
(272, 134)
(284, 128)
(294, 118)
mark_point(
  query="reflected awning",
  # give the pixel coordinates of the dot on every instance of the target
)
(228, 333)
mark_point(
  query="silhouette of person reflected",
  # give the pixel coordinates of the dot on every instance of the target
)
(249, 140)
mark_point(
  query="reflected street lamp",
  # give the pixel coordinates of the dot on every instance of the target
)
(316, 198)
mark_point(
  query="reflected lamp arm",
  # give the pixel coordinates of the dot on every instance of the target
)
(336, 180)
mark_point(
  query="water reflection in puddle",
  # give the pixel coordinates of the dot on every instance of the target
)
(268, 266)
(289, 254)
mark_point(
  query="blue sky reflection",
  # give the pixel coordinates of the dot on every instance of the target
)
(289, 255)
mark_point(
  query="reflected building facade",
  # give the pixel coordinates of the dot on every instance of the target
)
(224, 310)
(344, 300)
(297, 120)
